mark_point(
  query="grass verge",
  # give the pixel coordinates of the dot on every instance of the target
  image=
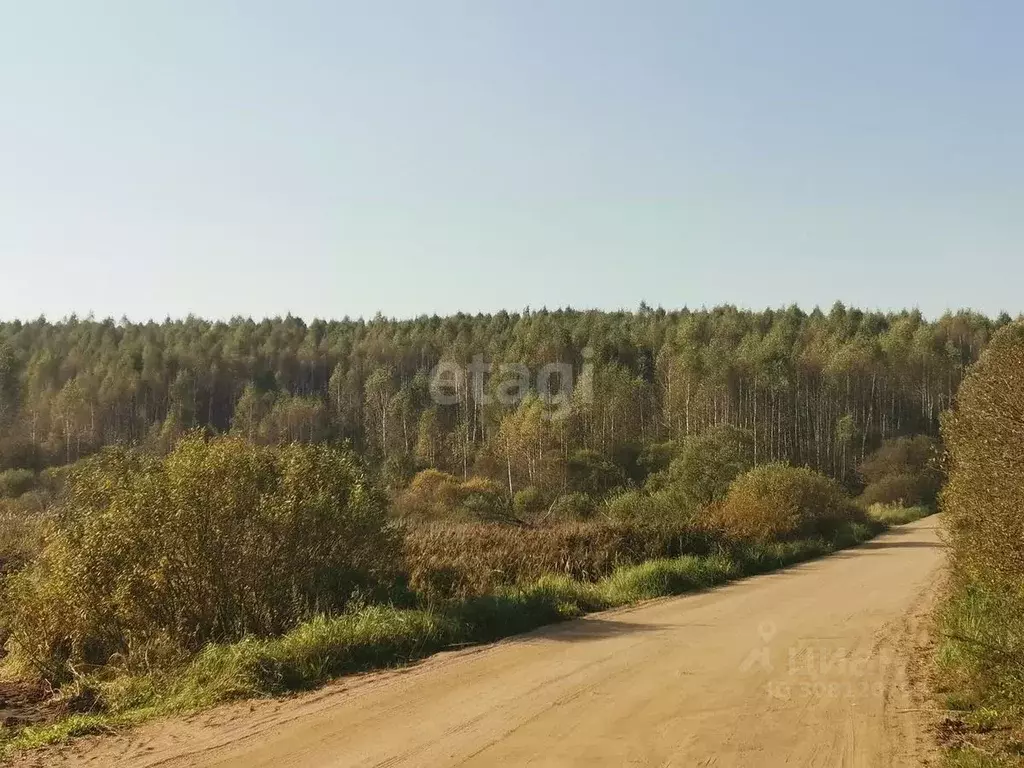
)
(897, 514)
(980, 666)
(380, 636)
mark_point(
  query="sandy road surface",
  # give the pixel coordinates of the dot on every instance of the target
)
(806, 667)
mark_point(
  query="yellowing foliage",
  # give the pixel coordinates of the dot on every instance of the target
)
(902, 471)
(984, 498)
(450, 560)
(220, 539)
(777, 502)
(432, 494)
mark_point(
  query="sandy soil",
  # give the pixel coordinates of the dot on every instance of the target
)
(806, 667)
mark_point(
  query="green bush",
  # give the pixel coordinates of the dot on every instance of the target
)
(15, 482)
(706, 466)
(777, 502)
(627, 506)
(529, 503)
(220, 539)
(572, 506)
(20, 536)
(483, 499)
(593, 474)
(664, 507)
(892, 489)
(656, 457)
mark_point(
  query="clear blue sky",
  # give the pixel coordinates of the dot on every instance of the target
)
(343, 158)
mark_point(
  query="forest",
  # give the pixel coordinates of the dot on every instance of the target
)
(818, 389)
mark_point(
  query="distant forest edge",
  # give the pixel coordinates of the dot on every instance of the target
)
(822, 389)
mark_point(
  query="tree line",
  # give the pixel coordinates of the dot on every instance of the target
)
(820, 388)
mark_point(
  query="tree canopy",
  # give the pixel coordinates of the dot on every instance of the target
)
(818, 388)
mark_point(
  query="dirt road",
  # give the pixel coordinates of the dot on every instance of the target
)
(806, 667)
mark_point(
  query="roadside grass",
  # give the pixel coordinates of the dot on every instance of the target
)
(897, 514)
(382, 636)
(980, 664)
(676, 576)
(972, 758)
(984, 749)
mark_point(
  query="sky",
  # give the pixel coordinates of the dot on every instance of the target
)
(332, 158)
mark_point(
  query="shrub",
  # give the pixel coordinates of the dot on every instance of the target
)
(777, 502)
(219, 539)
(15, 482)
(985, 438)
(593, 474)
(396, 471)
(483, 499)
(892, 489)
(52, 480)
(656, 457)
(627, 506)
(432, 494)
(904, 471)
(572, 506)
(706, 465)
(627, 457)
(982, 504)
(529, 503)
(20, 536)
(664, 507)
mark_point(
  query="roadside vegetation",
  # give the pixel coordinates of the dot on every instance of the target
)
(386, 635)
(982, 654)
(225, 569)
(898, 514)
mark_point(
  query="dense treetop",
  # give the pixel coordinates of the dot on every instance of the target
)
(818, 388)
